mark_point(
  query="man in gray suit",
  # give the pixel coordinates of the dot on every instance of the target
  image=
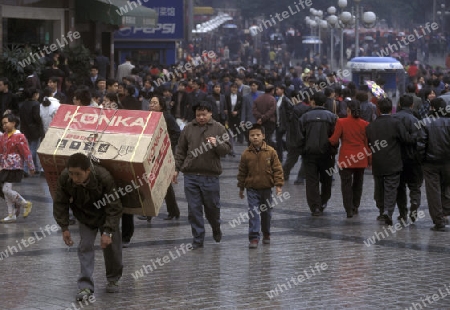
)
(124, 69)
(243, 90)
(246, 112)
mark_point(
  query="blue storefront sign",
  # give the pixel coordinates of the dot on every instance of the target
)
(170, 23)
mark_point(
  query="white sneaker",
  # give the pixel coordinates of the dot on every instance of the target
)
(9, 219)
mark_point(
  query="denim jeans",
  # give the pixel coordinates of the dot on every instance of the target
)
(33, 145)
(259, 212)
(202, 191)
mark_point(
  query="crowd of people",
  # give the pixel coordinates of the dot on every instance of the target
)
(281, 114)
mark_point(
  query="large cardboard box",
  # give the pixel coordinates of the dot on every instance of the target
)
(133, 145)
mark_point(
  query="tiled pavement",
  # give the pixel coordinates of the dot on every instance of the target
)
(407, 266)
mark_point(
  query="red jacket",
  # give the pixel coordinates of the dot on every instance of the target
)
(14, 152)
(354, 149)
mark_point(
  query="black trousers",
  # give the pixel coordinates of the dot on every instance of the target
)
(351, 186)
(171, 202)
(291, 159)
(127, 227)
(269, 128)
(317, 170)
(279, 143)
(128, 219)
(386, 192)
(437, 186)
(411, 176)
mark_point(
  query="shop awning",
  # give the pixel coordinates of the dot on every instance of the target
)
(116, 12)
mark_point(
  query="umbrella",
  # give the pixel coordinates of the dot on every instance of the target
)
(376, 90)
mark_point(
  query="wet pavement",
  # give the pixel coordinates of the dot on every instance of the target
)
(312, 262)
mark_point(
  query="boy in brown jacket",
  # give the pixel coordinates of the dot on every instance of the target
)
(259, 171)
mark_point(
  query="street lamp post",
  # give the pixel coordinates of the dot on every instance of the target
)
(357, 28)
(333, 22)
(369, 20)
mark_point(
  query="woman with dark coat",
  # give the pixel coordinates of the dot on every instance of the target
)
(157, 104)
(234, 103)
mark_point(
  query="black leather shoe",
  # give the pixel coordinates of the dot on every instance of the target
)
(380, 217)
(402, 216)
(196, 245)
(388, 220)
(217, 236)
(355, 211)
(349, 215)
(317, 212)
(438, 228)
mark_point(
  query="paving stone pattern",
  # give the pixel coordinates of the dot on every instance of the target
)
(399, 270)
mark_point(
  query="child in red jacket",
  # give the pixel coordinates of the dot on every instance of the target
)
(14, 152)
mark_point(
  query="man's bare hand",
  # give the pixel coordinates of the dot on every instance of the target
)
(241, 194)
(175, 178)
(105, 241)
(67, 239)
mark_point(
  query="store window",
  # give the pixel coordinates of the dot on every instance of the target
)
(31, 33)
(146, 57)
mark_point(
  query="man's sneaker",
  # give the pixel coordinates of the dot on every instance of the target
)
(217, 235)
(112, 287)
(84, 294)
(266, 239)
(125, 244)
(9, 219)
(253, 244)
(27, 209)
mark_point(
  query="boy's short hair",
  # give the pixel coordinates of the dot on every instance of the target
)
(78, 160)
(257, 126)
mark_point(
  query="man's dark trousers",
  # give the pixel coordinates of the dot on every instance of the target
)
(412, 176)
(112, 255)
(202, 190)
(269, 129)
(317, 169)
(386, 192)
(437, 185)
(291, 159)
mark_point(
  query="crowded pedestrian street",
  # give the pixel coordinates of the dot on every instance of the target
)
(322, 262)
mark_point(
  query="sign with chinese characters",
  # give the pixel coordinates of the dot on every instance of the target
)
(170, 23)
